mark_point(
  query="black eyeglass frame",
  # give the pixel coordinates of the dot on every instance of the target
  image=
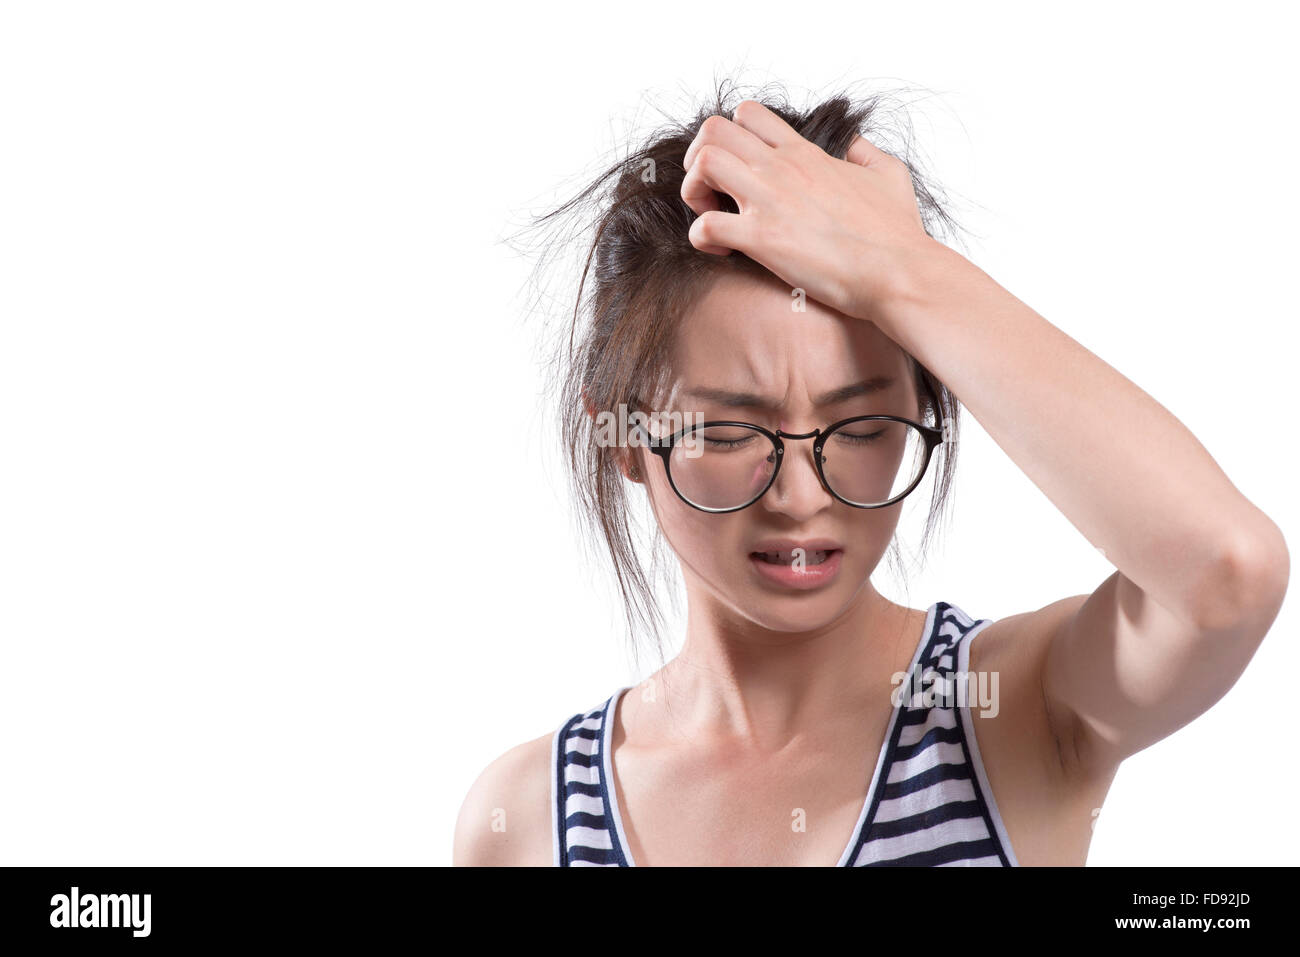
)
(663, 448)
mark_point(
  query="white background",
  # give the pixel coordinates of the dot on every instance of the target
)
(271, 593)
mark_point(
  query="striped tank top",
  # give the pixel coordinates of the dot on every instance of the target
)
(929, 802)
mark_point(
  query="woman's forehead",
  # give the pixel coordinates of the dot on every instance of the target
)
(743, 332)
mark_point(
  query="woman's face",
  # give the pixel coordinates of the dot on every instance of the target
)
(744, 354)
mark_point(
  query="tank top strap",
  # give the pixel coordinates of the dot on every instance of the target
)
(934, 805)
(582, 833)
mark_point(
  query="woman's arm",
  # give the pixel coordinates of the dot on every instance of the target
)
(1120, 466)
(1202, 571)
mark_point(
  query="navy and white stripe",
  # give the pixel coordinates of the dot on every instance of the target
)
(583, 810)
(929, 802)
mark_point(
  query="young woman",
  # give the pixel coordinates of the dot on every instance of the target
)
(771, 348)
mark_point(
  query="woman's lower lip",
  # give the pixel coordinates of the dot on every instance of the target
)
(806, 577)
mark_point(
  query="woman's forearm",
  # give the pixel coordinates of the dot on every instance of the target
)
(1129, 476)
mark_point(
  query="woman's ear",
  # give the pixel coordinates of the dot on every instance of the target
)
(626, 459)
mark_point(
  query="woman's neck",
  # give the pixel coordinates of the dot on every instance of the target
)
(736, 679)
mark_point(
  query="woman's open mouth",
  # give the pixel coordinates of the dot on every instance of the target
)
(789, 557)
(797, 567)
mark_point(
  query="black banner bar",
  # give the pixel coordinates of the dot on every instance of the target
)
(377, 906)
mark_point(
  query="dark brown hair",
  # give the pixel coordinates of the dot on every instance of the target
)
(646, 276)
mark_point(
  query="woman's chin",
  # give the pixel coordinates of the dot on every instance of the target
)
(794, 613)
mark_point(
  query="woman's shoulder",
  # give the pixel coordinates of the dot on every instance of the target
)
(505, 819)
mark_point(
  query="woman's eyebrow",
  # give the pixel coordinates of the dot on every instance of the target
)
(750, 400)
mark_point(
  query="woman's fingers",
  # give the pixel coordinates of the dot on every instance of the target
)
(718, 233)
(719, 131)
(763, 123)
(716, 170)
(865, 153)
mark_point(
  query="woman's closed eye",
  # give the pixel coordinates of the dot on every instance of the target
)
(726, 445)
(858, 438)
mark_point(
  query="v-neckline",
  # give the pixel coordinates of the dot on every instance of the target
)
(609, 788)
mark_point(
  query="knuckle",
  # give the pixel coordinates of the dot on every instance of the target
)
(713, 125)
(807, 147)
(794, 165)
(744, 109)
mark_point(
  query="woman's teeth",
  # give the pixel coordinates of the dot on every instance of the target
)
(787, 558)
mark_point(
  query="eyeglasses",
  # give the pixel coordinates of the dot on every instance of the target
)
(868, 461)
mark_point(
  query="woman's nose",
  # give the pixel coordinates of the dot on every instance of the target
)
(798, 488)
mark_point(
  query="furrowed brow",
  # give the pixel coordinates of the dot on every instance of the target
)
(750, 400)
(877, 383)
